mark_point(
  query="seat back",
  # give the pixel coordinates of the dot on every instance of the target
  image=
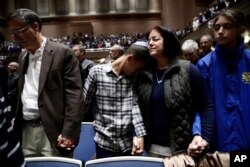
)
(52, 161)
(85, 149)
(126, 161)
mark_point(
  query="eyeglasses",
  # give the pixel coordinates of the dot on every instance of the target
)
(226, 26)
(16, 32)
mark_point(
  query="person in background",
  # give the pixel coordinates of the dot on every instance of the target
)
(115, 52)
(85, 64)
(49, 116)
(118, 122)
(190, 50)
(206, 45)
(12, 87)
(170, 93)
(227, 74)
(11, 154)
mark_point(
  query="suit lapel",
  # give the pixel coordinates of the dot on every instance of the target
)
(45, 66)
(24, 61)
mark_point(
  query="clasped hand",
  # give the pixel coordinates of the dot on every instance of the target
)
(138, 145)
(64, 142)
(197, 146)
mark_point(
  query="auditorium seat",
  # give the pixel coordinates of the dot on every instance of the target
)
(126, 161)
(85, 150)
(52, 162)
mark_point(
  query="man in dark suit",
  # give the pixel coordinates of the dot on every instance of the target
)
(85, 64)
(49, 91)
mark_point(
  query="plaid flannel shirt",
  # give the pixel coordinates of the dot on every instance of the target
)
(117, 114)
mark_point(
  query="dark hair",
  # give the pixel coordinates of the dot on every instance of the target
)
(81, 48)
(28, 16)
(138, 51)
(236, 17)
(171, 43)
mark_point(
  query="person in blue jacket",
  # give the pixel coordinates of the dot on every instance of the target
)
(227, 72)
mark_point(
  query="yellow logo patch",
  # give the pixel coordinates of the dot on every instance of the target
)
(246, 77)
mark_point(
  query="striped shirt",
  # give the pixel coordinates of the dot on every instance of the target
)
(117, 114)
(10, 150)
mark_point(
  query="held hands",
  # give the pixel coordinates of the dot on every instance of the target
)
(64, 142)
(138, 145)
(197, 146)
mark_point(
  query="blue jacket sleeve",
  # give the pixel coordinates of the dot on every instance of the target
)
(196, 130)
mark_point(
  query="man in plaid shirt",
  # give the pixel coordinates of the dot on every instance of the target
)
(118, 121)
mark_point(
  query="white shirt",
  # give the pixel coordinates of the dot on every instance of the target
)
(31, 83)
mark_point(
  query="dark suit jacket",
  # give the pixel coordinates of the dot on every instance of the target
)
(60, 98)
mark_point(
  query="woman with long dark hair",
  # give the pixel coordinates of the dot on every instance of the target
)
(170, 92)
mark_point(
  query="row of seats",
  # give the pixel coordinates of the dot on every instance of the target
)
(124, 161)
(84, 155)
